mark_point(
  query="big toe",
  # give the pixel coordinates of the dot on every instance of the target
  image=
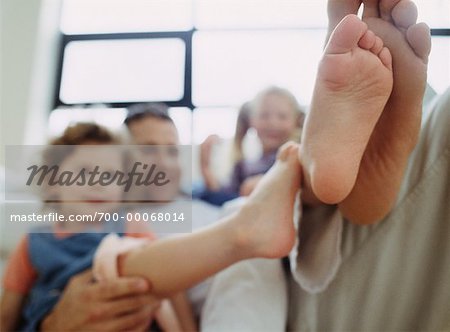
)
(285, 150)
(346, 36)
(371, 8)
(338, 9)
(404, 14)
(288, 152)
(419, 38)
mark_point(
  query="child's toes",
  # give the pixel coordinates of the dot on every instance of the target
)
(386, 57)
(367, 41)
(377, 46)
(285, 151)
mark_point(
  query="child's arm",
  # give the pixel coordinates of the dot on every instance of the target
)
(11, 304)
(184, 312)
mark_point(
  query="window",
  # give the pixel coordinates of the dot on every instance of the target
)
(206, 122)
(203, 57)
(439, 64)
(230, 67)
(436, 13)
(129, 70)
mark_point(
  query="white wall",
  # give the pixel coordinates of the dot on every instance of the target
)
(28, 53)
(29, 39)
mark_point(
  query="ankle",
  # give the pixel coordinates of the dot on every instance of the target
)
(242, 228)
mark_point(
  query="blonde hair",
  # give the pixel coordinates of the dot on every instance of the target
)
(299, 111)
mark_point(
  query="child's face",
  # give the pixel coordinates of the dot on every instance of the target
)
(91, 198)
(274, 121)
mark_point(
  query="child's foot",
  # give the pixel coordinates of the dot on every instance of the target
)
(353, 84)
(395, 135)
(265, 221)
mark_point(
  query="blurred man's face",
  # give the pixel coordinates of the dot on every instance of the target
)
(162, 137)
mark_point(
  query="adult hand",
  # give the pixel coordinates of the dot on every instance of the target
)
(116, 305)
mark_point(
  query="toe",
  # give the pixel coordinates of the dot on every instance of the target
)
(404, 14)
(419, 38)
(377, 46)
(367, 41)
(386, 57)
(371, 8)
(284, 151)
(338, 9)
(346, 35)
(293, 152)
(386, 7)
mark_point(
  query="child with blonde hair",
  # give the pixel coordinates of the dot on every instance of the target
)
(277, 117)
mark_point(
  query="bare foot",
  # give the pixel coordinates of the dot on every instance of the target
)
(268, 225)
(396, 133)
(353, 84)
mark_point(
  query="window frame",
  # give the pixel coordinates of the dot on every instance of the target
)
(186, 36)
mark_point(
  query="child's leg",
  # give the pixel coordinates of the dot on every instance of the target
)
(386, 155)
(263, 227)
(353, 84)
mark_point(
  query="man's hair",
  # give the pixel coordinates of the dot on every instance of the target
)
(137, 112)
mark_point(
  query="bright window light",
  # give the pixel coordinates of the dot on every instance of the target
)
(439, 64)
(218, 121)
(230, 67)
(123, 70)
(109, 16)
(245, 14)
(436, 13)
